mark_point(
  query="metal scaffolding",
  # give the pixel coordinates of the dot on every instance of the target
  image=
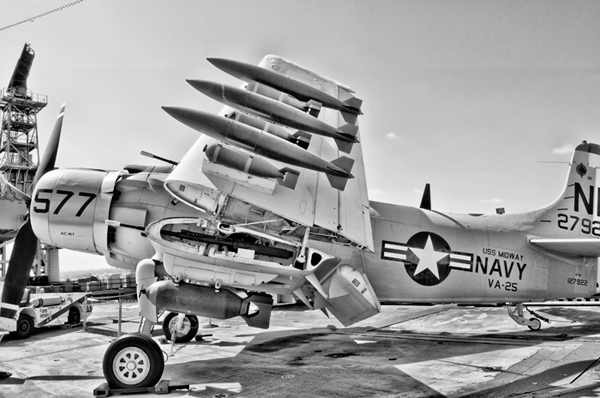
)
(19, 153)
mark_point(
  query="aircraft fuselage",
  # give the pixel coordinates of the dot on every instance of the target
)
(428, 256)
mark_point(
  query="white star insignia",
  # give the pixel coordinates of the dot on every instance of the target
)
(428, 258)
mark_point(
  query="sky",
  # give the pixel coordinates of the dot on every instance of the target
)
(484, 100)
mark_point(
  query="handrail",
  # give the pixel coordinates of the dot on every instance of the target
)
(9, 93)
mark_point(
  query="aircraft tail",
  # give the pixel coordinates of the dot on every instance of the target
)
(571, 225)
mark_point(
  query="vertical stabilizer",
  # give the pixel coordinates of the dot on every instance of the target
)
(576, 213)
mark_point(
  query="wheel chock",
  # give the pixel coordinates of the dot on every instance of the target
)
(163, 387)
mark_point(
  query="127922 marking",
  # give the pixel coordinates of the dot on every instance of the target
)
(576, 281)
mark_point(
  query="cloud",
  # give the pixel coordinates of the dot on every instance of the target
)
(563, 150)
(391, 135)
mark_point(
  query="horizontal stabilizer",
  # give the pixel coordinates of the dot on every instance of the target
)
(580, 247)
(290, 178)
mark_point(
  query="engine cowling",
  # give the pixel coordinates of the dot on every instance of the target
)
(69, 208)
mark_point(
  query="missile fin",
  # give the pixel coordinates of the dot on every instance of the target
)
(351, 109)
(336, 182)
(350, 131)
(344, 146)
(302, 139)
(354, 104)
(349, 117)
(344, 162)
(289, 179)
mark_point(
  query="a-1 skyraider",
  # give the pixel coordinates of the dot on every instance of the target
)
(286, 212)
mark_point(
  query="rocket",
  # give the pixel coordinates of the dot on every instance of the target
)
(278, 112)
(250, 164)
(302, 91)
(299, 138)
(268, 145)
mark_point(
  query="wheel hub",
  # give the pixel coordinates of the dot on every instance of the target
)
(131, 365)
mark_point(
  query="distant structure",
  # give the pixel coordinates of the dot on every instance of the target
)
(19, 151)
(19, 157)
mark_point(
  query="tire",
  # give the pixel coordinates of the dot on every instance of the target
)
(74, 316)
(190, 327)
(133, 361)
(24, 327)
(537, 325)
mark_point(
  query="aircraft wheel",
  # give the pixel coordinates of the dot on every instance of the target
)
(24, 327)
(133, 361)
(536, 324)
(189, 331)
(74, 316)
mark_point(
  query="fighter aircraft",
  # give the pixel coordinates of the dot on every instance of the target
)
(288, 214)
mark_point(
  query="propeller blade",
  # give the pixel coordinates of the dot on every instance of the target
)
(49, 159)
(20, 194)
(26, 243)
(17, 275)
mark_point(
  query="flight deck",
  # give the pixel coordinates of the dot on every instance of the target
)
(406, 351)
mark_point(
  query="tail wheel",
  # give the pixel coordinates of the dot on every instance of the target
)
(133, 361)
(187, 332)
(74, 316)
(535, 324)
(24, 327)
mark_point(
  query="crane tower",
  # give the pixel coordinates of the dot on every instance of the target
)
(19, 155)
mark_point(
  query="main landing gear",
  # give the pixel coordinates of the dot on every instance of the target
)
(517, 316)
(133, 361)
(136, 360)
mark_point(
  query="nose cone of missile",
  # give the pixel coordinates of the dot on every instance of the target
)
(181, 114)
(198, 120)
(211, 89)
(233, 68)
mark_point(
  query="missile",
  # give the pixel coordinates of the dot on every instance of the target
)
(299, 138)
(302, 91)
(245, 101)
(250, 164)
(267, 91)
(256, 141)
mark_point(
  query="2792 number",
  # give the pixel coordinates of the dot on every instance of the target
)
(585, 225)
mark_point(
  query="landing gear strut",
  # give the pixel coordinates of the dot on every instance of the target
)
(136, 360)
(180, 333)
(517, 316)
